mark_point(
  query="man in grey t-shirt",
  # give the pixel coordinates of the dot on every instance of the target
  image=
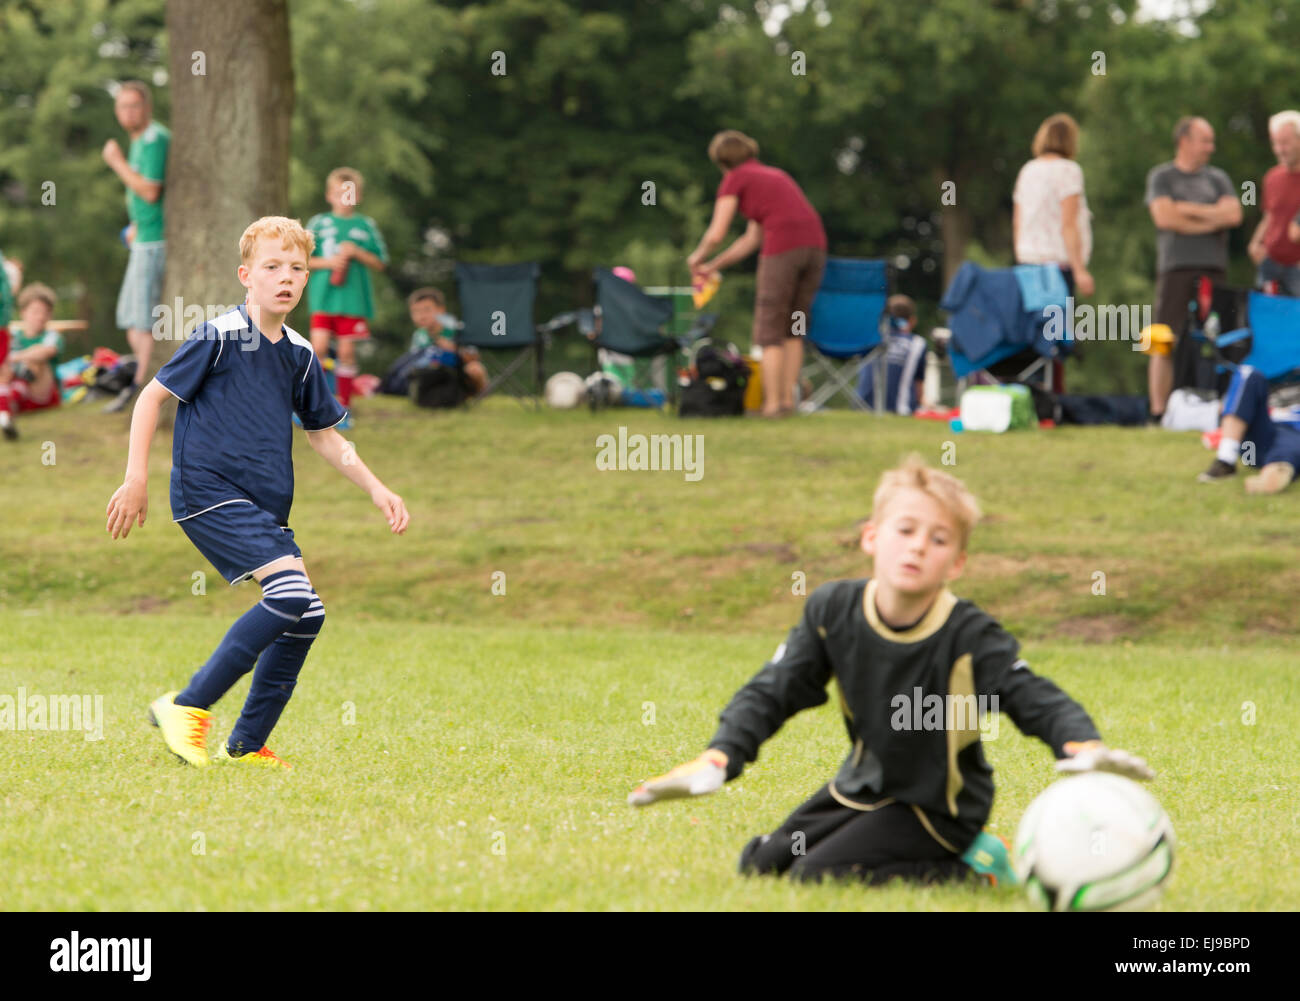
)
(1193, 206)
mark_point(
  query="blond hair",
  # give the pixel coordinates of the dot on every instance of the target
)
(1057, 134)
(37, 291)
(343, 175)
(730, 148)
(289, 231)
(950, 493)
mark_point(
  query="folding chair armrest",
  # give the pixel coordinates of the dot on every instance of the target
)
(558, 322)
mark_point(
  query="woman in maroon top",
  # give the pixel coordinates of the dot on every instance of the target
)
(790, 266)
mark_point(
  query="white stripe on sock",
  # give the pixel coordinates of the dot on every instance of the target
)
(297, 580)
(291, 618)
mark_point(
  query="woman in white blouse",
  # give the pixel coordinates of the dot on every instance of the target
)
(1051, 223)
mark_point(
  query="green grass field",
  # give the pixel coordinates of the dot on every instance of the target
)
(460, 749)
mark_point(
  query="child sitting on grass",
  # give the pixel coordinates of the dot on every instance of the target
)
(1250, 432)
(904, 361)
(428, 306)
(27, 375)
(910, 799)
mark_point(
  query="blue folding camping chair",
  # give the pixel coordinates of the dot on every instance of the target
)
(845, 333)
(1274, 330)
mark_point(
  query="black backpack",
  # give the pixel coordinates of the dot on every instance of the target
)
(716, 387)
(438, 386)
(117, 378)
(397, 380)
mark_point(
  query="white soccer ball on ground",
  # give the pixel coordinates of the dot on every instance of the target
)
(565, 390)
(1094, 842)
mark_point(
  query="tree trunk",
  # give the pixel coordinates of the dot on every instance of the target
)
(232, 95)
(957, 226)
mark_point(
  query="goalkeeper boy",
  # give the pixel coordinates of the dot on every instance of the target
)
(914, 792)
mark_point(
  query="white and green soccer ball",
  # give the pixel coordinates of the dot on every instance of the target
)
(1094, 842)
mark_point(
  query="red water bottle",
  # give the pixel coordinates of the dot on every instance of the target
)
(339, 275)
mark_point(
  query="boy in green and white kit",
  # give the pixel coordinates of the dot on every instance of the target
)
(342, 303)
(428, 307)
(28, 379)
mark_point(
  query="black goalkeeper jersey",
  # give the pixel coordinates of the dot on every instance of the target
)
(911, 700)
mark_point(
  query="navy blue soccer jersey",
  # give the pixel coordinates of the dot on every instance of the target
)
(904, 365)
(238, 392)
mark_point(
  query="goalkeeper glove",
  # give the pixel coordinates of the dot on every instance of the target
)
(705, 774)
(1094, 756)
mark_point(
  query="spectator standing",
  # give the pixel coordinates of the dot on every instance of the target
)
(1193, 205)
(1271, 246)
(143, 170)
(793, 256)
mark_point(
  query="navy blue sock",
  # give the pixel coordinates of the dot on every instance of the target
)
(285, 596)
(274, 681)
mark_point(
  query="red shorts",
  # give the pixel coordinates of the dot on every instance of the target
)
(22, 397)
(4, 344)
(341, 326)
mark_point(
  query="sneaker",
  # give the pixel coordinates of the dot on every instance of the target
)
(1272, 479)
(122, 399)
(184, 728)
(265, 758)
(7, 425)
(1219, 470)
(990, 856)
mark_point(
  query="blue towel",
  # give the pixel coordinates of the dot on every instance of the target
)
(1041, 285)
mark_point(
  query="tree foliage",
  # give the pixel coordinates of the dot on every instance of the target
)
(573, 132)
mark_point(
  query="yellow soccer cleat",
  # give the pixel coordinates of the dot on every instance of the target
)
(184, 728)
(265, 758)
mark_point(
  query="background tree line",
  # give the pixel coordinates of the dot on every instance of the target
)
(877, 108)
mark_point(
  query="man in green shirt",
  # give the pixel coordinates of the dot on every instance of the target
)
(143, 170)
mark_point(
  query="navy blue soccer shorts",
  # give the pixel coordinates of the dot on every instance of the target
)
(239, 538)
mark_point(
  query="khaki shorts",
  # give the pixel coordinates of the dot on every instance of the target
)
(787, 283)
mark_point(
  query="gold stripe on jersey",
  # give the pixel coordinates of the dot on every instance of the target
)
(925, 822)
(843, 800)
(962, 708)
(844, 703)
(930, 624)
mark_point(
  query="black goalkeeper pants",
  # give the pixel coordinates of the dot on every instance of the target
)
(823, 838)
